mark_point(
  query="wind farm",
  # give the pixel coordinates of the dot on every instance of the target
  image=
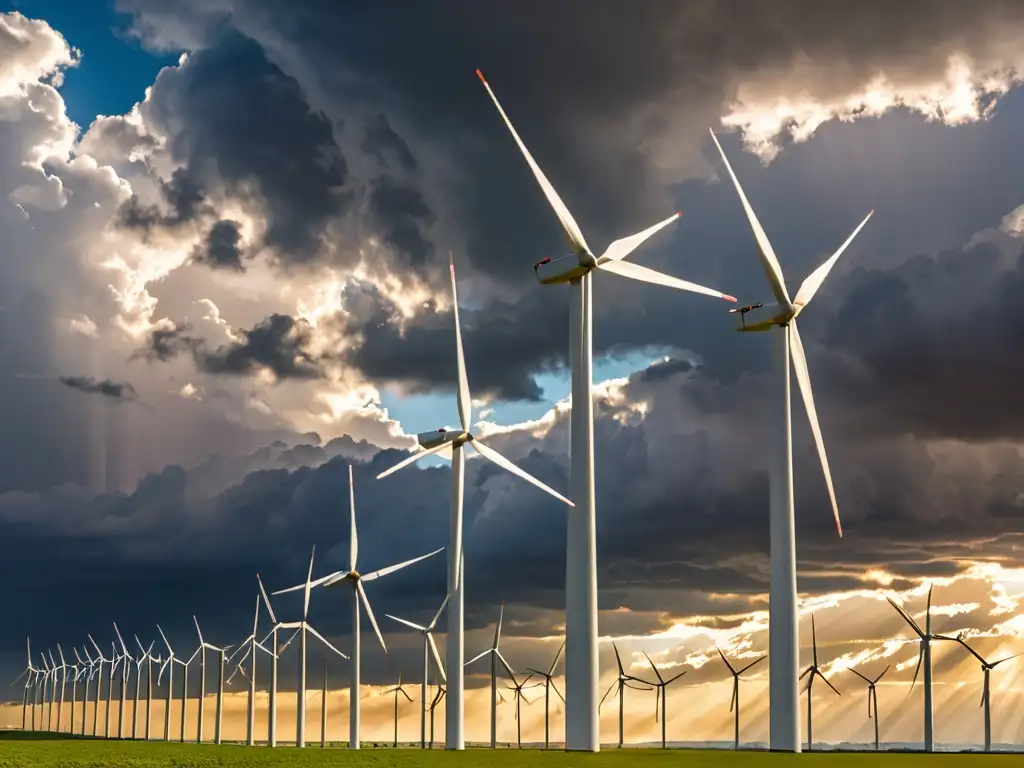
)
(266, 244)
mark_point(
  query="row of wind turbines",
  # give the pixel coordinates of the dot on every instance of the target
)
(46, 686)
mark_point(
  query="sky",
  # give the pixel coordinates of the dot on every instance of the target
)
(226, 230)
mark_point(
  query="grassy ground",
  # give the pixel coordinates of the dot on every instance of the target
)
(46, 751)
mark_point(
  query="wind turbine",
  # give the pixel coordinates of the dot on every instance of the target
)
(662, 696)
(924, 655)
(60, 672)
(496, 656)
(872, 698)
(621, 683)
(986, 692)
(168, 664)
(203, 647)
(734, 703)
(76, 673)
(549, 684)
(53, 670)
(147, 655)
(250, 644)
(87, 670)
(782, 613)
(517, 689)
(29, 673)
(303, 627)
(111, 666)
(139, 660)
(398, 689)
(441, 690)
(428, 647)
(813, 671)
(126, 671)
(353, 577)
(581, 674)
(456, 439)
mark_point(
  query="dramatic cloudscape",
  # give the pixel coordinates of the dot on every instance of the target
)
(226, 228)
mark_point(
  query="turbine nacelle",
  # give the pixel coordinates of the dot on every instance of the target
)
(765, 316)
(438, 437)
(563, 269)
(340, 578)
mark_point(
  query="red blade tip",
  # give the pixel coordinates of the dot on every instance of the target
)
(481, 76)
(728, 298)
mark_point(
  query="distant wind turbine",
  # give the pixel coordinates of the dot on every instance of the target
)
(354, 578)
(433, 442)
(303, 627)
(60, 673)
(813, 671)
(203, 647)
(111, 666)
(986, 692)
(872, 698)
(622, 681)
(29, 673)
(92, 666)
(126, 671)
(549, 684)
(496, 656)
(168, 663)
(250, 645)
(734, 703)
(428, 647)
(783, 617)
(517, 689)
(398, 689)
(662, 695)
(924, 656)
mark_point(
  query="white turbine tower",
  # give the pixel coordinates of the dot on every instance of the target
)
(303, 627)
(582, 731)
(170, 661)
(63, 677)
(111, 666)
(203, 646)
(356, 579)
(783, 640)
(455, 439)
(429, 646)
(126, 671)
(250, 645)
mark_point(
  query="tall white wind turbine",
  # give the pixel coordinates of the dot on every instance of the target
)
(126, 670)
(168, 663)
(924, 659)
(429, 646)
(250, 646)
(455, 439)
(140, 661)
(496, 657)
(111, 666)
(549, 684)
(303, 627)
(986, 691)
(353, 577)
(148, 659)
(582, 730)
(783, 638)
(203, 647)
(29, 673)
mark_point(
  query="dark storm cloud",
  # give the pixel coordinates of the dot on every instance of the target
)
(183, 196)
(389, 149)
(402, 213)
(278, 344)
(235, 119)
(114, 390)
(220, 247)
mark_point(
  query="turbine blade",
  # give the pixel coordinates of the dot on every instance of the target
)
(497, 627)
(769, 261)
(920, 658)
(437, 616)
(906, 616)
(648, 275)
(325, 641)
(555, 689)
(814, 641)
(660, 680)
(887, 666)
(829, 684)
(551, 669)
(266, 601)
(506, 665)
(613, 687)
(198, 629)
(810, 286)
(501, 461)
(353, 544)
(618, 659)
(735, 693)
(416, 456)
(758, 660)
(392, 568)
(803, 378)
(1008, 658)
(407, 623)
(308, 585)
(369, 613)
(858, 674)
(437, 657)
(726, 662)
(464, 399)
(477, 657)
(620, 249)
(572, 229)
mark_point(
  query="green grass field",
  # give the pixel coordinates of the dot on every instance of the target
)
(45, 751)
